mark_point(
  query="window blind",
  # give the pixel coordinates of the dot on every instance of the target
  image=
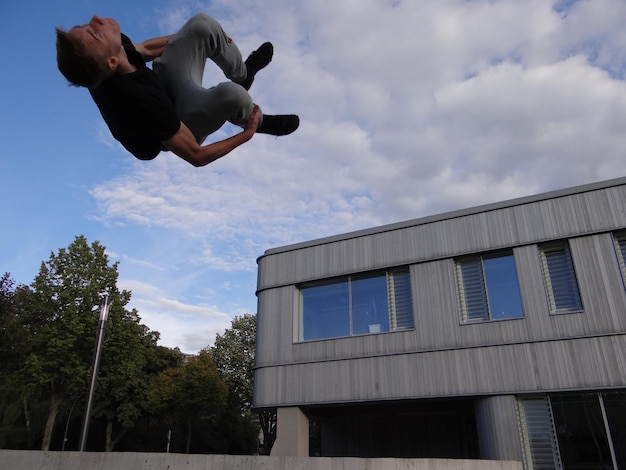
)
(539, 437)
(620, 250)
(560, 278)
(471, 280)
(400, 301)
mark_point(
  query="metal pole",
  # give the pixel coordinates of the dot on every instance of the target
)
(608, 430)
(67, 424)
(104, 312)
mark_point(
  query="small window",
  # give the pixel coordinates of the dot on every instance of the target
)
(488, 287)
(357, 305)
(560, 278)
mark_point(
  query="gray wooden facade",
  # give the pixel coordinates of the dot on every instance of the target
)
(442, 356)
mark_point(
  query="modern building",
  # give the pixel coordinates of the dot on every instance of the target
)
(496, 332)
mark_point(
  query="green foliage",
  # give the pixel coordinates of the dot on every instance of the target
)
(57, 319)
(12, 336)
(14, 406)
(190, 393)
(47, 338)
(193, 390)
(62, 316)
(233, 353)
(62, 319)
(125, 370)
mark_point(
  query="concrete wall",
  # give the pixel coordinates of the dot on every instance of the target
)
(292, 433)
(36, 460)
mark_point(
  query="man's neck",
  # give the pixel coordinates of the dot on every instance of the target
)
(124, 66)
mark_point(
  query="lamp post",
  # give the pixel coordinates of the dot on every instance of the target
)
(67, 424)
(104, 313)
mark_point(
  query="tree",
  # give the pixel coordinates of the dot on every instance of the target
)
(12, 335)
(189, 394)
(61, 318)
(10, 340)
(14, 407)
(124, 373)
(233, 353)
(47, 340)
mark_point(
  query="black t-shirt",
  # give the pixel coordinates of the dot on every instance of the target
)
(136, 108)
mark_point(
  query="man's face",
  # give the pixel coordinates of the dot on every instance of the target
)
(100, 38)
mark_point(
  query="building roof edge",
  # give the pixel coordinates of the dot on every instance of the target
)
(450, 215)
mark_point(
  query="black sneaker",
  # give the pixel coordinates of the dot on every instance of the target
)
(281, 124)
(256, 61)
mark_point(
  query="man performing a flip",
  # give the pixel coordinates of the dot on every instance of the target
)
(166, 107)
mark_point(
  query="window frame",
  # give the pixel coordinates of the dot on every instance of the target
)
(393, 299)
(572, 283)
(462, 288)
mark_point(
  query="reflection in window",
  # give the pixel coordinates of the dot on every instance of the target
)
(357, 305)
(581, 431)
(560, 278)
(615, 410)
(574, 431)
(488, 287)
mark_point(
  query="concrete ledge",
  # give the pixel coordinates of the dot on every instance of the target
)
(37, 460)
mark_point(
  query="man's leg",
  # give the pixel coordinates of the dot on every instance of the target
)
(185, 55)
(181, 68)
(203, 110)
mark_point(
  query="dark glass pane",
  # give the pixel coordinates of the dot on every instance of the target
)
(581, 433)
(325, 311)
(502, 287)
(370, 308)
(615, 407)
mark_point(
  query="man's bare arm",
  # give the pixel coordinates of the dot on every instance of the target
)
(152, 48)
(184, 144)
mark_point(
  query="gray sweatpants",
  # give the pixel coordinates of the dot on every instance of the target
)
(181, 67)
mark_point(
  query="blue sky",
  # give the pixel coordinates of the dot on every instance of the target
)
(408, 109)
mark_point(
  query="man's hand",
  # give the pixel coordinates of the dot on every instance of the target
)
(184, 144)
(254, 120)
(152, 48)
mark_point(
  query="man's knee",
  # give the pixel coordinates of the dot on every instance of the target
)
(202, 24)
(233, 93)
(237, 99)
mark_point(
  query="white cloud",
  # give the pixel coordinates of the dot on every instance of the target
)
(191, 327)
(189, 334)
(138, 288)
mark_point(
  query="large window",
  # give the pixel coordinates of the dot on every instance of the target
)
(576, 431)
(560, 278)
(488, 287)
(357, 305)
